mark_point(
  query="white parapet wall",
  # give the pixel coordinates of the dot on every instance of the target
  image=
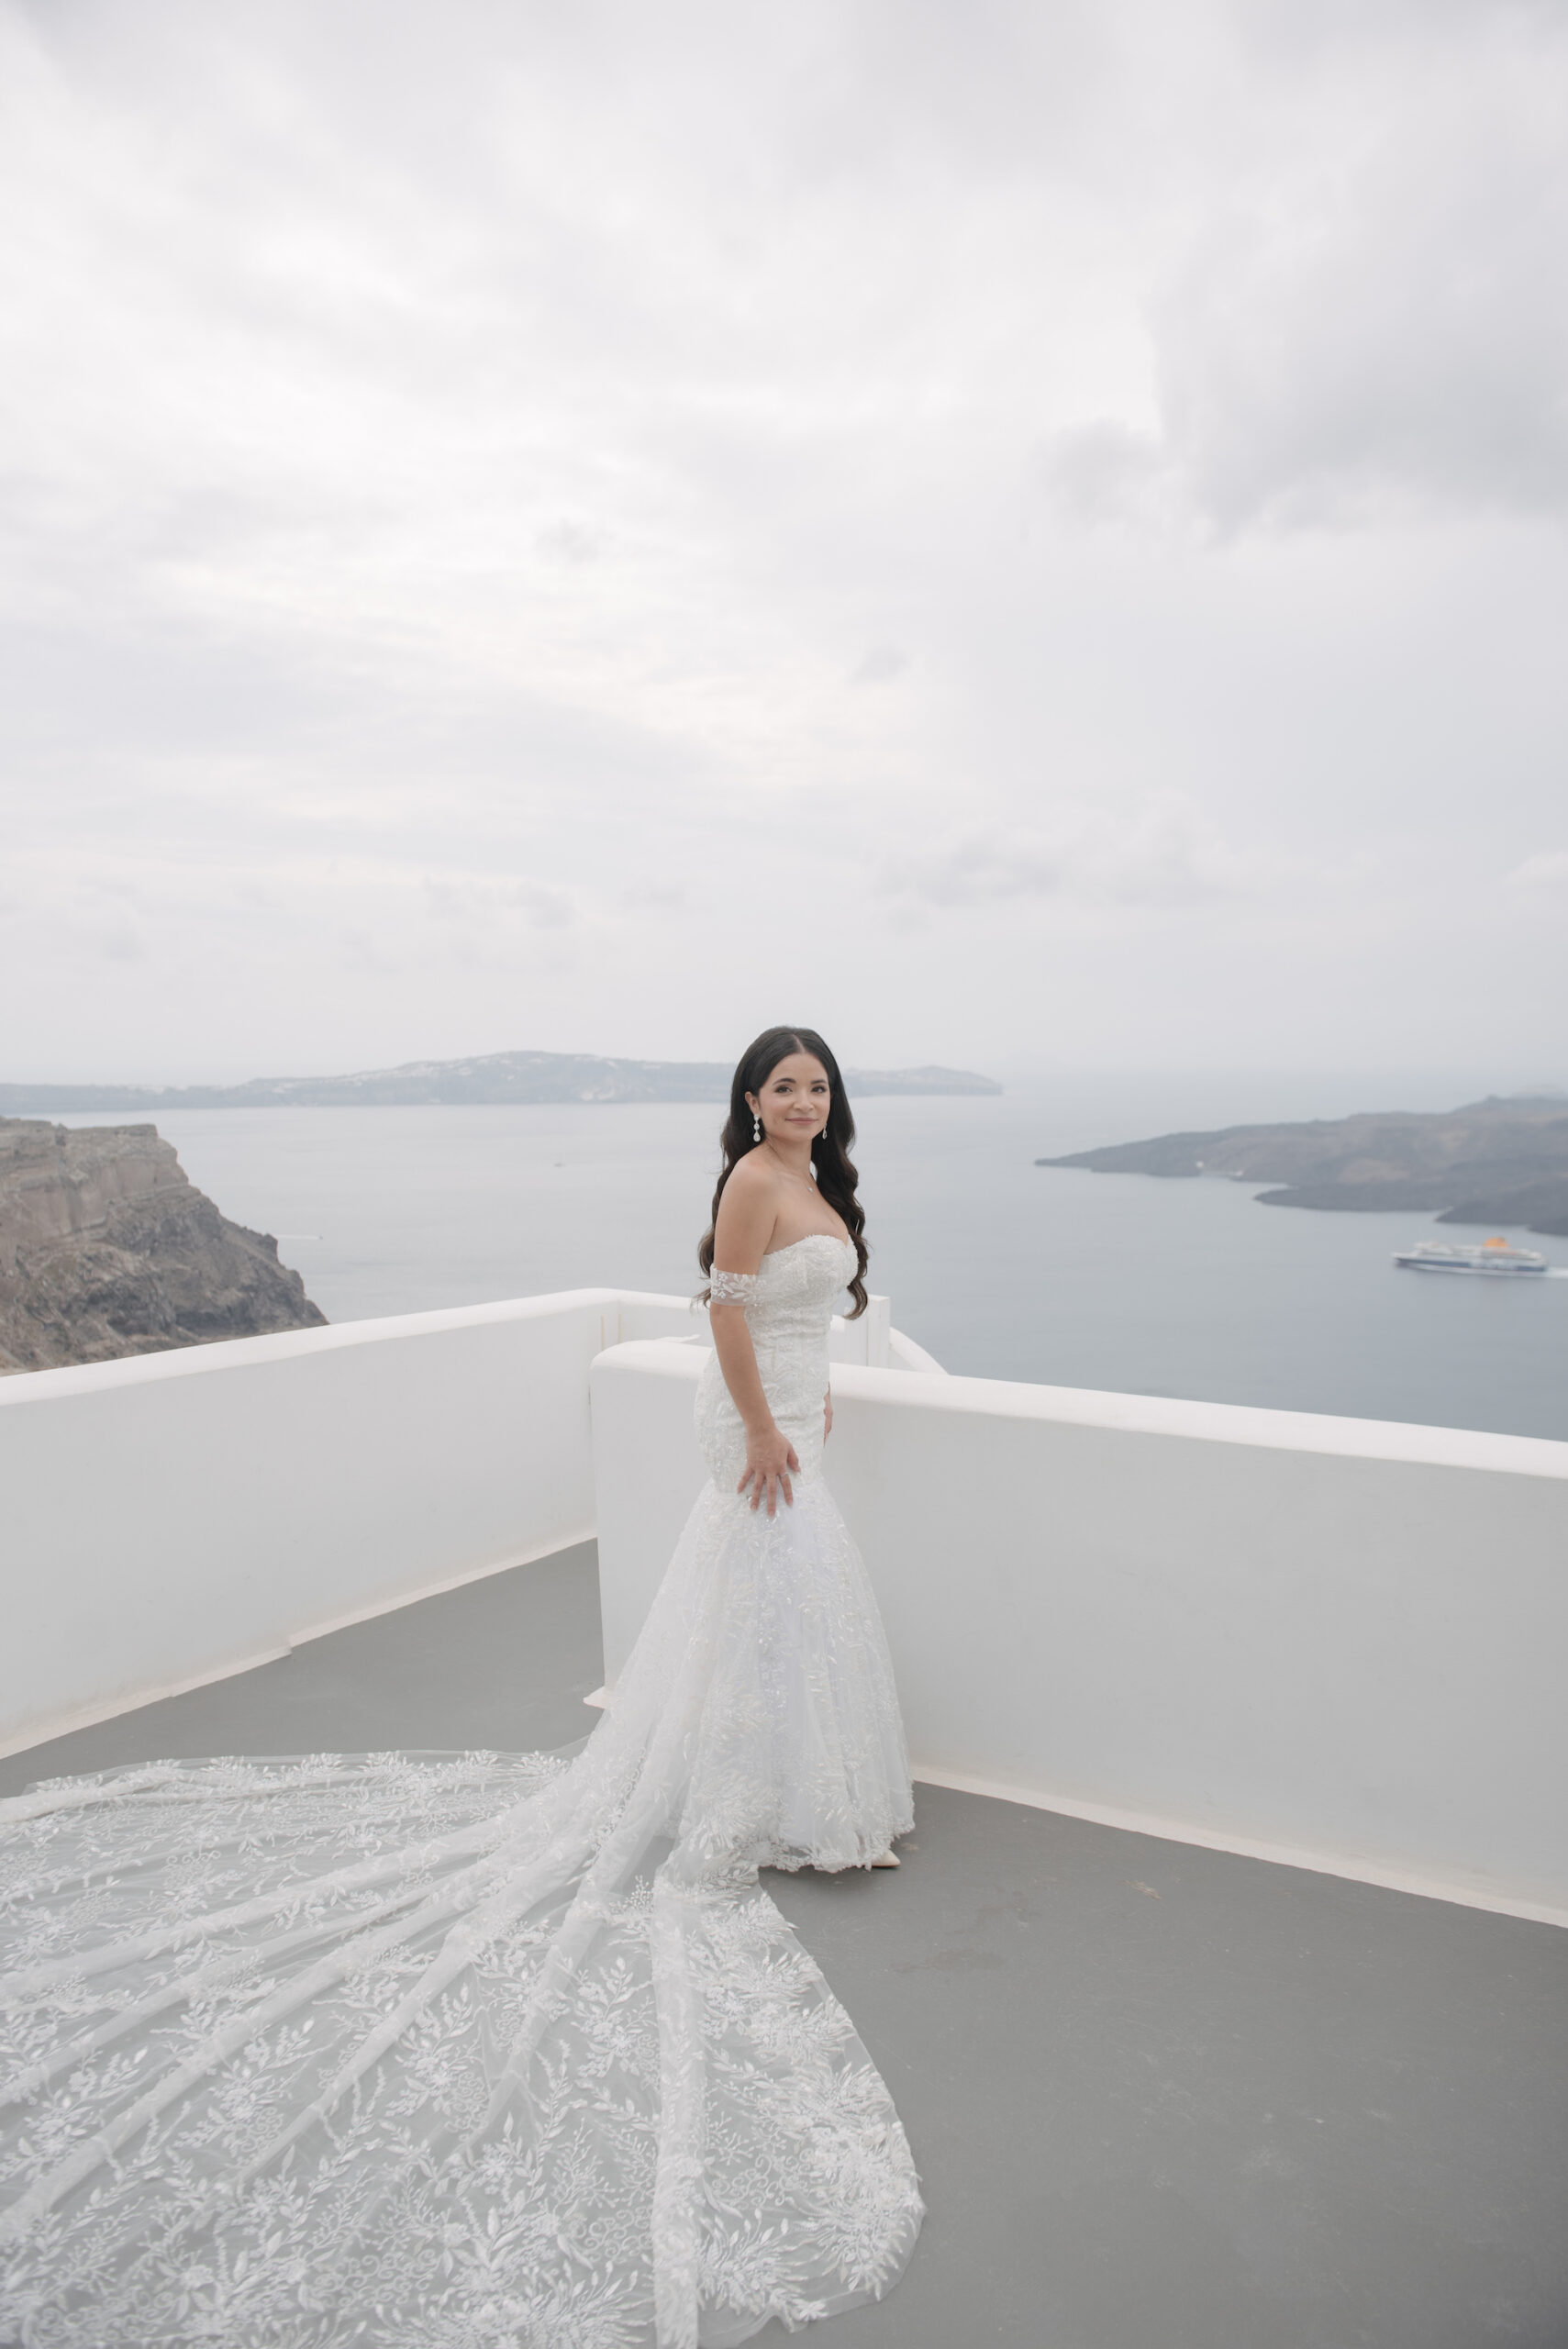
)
(1335, 1642)
(1338, 1642)
(174, 1518)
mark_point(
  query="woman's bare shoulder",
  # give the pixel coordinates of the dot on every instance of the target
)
(749, 1209)
(754, 1178)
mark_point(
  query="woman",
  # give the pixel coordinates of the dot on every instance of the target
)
(501, 2052)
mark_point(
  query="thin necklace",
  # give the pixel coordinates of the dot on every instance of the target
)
(809, 1180)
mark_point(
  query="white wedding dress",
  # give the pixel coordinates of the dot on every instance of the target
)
(489, 2052)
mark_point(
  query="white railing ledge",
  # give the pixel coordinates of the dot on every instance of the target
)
(1243, 1423)
(1233, 1423)
(283, 1345)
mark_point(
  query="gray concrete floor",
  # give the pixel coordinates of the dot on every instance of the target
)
(1161, 2098)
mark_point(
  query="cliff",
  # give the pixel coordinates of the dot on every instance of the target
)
(107, 1249)
(1491, 1162)
(495, 1077)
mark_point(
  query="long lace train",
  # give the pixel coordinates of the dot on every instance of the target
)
(481, 2052)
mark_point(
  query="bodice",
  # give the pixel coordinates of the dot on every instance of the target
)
(789, 1312)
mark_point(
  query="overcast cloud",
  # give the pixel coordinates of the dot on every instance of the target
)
(1028, 534)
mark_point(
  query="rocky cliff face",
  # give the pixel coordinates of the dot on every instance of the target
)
(106, 1248)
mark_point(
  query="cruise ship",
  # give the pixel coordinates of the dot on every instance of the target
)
(1492, 1257)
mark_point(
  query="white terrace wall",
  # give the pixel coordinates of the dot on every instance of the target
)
(1331, 1640)
(1335, 1642)
(170, 1519)
(178, 1515)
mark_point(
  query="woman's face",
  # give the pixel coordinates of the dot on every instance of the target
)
(795, 1098)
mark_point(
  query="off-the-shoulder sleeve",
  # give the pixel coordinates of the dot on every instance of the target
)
(731, 1288)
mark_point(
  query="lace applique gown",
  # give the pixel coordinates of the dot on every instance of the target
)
(488, 2051)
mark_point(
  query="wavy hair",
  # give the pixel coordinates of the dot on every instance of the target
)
(830, 1161)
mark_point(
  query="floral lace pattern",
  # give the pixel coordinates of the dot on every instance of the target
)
(731, 1288)
(789, 1310)
(480, 2052)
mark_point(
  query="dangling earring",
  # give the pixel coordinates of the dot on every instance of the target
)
(756, 1128)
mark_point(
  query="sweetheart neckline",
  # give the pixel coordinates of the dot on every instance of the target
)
(845, 1242)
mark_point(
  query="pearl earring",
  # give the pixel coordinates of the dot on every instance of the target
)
(756, 1128)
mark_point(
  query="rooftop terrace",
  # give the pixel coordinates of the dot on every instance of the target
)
(1240, 2027)
(1162, 2098)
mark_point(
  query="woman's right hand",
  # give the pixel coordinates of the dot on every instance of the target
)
(770, 1456)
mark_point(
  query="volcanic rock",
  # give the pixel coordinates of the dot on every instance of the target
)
(107, 1249)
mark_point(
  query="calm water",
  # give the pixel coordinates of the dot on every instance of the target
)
(1001, 1268)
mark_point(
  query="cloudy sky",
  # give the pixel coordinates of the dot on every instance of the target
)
(1027, 533)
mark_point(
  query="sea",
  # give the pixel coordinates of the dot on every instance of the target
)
(999, 1267)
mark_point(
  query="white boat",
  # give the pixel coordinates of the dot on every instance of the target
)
(1493, 1258)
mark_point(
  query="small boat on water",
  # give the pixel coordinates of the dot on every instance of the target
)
(1494, 1257)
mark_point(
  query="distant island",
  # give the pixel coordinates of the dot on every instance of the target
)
(107, 1249)
(494, 1078)
(1498, 1161)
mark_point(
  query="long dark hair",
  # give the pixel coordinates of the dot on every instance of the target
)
(830, 1161)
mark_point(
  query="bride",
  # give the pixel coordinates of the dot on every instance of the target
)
(501, 2051)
